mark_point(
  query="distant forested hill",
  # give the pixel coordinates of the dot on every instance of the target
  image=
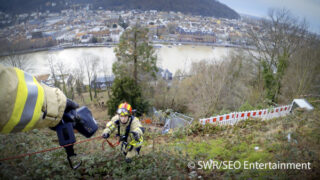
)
(195, 7)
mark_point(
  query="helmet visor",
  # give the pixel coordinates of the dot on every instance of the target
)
(123, 112)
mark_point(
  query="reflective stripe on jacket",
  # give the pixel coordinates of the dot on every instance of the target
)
(23, 102)
(135, 126)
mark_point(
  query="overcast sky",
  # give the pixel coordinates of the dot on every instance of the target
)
(308, 9)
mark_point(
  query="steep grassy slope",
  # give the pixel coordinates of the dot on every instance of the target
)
(291, 139)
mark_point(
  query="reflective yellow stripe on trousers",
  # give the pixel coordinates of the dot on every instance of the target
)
(28, 104)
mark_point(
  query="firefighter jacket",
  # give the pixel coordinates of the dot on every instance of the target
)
(116, 125)
(26, 104)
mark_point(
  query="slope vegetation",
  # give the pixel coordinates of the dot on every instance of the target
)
(291, 139)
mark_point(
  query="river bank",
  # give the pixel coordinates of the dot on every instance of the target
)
(154, 43)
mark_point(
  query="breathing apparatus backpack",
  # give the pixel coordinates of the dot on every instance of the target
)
(84, 123)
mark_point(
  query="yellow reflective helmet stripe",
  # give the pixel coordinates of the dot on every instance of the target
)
(28, 104)
(38, 107)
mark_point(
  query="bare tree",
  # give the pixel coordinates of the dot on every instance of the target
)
(106, 74)
(90, 64)
(79, 76)
(209, 82)
(279, 37)
(19, 61)
(62, 73)
(95, 84)
(211, 87)
(302, 75)
(70, 84)
(51, 60)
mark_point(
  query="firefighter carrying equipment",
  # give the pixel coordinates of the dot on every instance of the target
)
(129, 144)
(26, 104)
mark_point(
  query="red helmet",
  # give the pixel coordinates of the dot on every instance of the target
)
(124, 109)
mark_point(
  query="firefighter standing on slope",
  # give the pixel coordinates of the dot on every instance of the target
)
(129, 130)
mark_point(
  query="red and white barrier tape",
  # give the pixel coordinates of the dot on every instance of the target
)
(234, 117)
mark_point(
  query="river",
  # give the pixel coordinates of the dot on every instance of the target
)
(169, 57)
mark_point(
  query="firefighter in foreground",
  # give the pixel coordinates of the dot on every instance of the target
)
(129, 130)
(27, 104)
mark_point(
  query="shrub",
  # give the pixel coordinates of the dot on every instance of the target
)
(126, 89)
